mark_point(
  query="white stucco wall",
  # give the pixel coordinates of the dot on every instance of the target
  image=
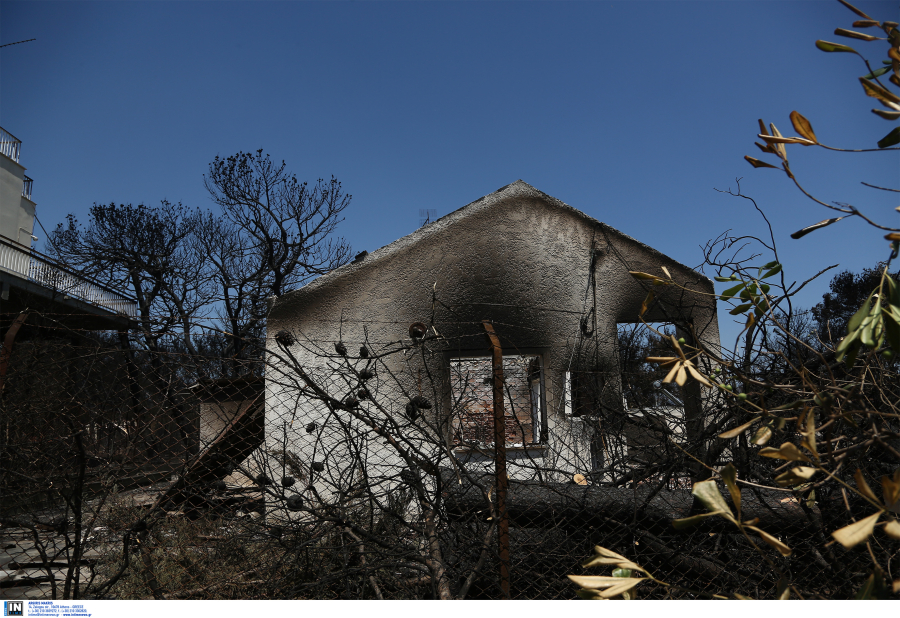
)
(15, 210)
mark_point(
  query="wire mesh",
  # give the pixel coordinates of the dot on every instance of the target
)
(354, 471)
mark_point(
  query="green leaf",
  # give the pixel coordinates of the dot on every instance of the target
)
(893, 291)
(849, 357)
(892, 330)
(740, 308)
(858, 317)
(871, 325)
(730, 292)
(847, 343)
(877, 73)
(891, 139)
(834, 47)
(772, 271)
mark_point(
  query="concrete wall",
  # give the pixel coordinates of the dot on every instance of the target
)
(15, 211)
(517, 257)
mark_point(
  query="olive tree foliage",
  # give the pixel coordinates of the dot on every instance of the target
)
(809, 409)
(201, 278)
(847, 292)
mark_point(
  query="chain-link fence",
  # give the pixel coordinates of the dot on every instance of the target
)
(368, 469)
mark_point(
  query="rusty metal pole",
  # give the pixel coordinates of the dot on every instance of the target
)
(6, 348)
(500, 456)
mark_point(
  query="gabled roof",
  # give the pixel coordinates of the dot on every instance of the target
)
(517, 189)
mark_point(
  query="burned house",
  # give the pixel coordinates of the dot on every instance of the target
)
(555, 285)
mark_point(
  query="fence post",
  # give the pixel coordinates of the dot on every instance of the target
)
(6, 348)
(500, 456)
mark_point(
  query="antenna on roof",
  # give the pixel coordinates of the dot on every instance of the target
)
(17, 42)
(427, 215)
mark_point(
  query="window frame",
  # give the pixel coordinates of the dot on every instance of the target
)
(540, 428)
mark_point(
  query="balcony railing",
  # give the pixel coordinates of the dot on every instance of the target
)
(43, 270)
(26, 188)
(10, 145)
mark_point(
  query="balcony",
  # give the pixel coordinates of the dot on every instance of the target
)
(44, 271)
(26, 188)
(10, 145)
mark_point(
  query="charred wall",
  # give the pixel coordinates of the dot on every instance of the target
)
(553, 282)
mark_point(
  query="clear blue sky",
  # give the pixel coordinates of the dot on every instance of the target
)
(630, 111)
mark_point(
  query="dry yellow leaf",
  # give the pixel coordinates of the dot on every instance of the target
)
(802, 126)
(892, 528)
(863, 487)
(855, 533)
(783, 549)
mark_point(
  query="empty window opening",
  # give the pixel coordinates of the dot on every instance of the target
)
(472, 392)
(642, 382)
(654, 410)
(586, 392)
